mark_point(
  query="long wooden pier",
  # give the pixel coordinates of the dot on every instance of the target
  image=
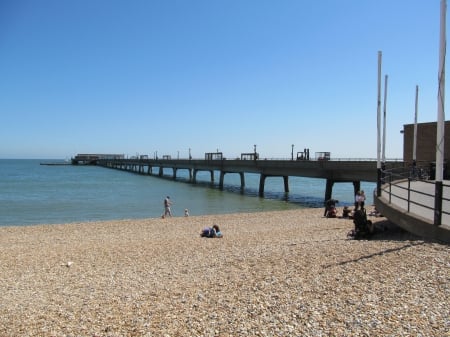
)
(334, 171)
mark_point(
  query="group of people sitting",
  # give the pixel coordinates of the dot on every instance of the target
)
(331, 211)
(363, 228)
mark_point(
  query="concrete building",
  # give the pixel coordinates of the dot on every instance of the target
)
(426, 142)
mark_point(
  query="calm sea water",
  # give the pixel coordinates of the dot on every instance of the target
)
(31, 193)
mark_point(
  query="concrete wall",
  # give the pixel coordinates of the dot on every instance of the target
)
(411, 222)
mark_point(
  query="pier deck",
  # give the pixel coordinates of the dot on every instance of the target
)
(334, 171)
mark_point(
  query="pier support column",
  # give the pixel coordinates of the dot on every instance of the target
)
(222, 175)
(212, 176)
(329, 189)
(242, 180)
(190, 175)
(161, 171)
(194, 178)
(262, 179)
(174, 173)
(286, 183)
(149, 170)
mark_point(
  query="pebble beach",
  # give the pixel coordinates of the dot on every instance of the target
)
(284, 273)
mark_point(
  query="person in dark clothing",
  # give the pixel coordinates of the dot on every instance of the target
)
(330, 207)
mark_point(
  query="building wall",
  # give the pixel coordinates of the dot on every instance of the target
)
(426, 142)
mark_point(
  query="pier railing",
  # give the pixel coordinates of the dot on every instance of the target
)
(413, 189)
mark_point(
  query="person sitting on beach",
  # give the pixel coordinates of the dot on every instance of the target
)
(332, 212)
(364, 228)
(330, 208)
(211, 232)
(375, 213)
(346, 212)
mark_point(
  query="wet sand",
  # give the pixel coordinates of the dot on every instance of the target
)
(288, 273)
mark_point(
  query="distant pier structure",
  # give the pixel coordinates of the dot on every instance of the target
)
(92, 159)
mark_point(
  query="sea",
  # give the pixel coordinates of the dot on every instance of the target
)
(32, 193)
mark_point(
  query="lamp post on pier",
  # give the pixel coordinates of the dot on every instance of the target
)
(292, 152)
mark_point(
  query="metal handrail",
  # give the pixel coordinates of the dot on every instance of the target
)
(396, 176)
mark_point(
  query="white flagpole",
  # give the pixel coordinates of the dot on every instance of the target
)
(415, 127)
(439, 170)
(441, 91)
(379, 127)
(379, 112)
(384, 119)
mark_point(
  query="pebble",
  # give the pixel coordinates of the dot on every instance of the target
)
(288, 273)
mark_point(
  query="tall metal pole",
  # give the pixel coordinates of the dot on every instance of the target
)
(415, 127)
(441, 92)
(379, 127)
(383, 157)
(441, 119)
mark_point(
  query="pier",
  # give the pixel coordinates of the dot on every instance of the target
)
(334, 171)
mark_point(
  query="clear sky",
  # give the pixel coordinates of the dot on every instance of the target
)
(140, 76)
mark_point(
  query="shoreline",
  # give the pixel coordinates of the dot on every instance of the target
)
(138, 219)
(288, 272)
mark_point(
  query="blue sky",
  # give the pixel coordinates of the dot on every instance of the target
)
(136, 77)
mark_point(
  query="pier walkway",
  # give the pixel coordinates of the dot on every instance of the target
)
(411, 205)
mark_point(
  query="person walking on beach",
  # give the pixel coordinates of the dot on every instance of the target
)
(167, 204)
